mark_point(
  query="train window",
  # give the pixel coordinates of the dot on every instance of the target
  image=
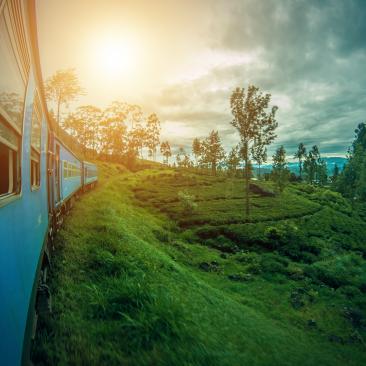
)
(9, 147)
(13, 71)
(12, 86)
(66, 170)
(35, 157)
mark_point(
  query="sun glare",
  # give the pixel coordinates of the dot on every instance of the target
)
(116, 57)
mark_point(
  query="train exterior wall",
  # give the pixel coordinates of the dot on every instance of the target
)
(90, 173)
(69, 185)
(23, 228)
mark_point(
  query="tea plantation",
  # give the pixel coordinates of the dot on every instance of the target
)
(163, 267)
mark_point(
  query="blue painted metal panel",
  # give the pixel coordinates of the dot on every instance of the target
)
(23, 227)
(90, 173)
(69, 185)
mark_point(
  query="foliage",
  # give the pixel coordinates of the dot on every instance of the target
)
(187, 201)
(280, 172)
(212, 152)
(166, 151)
(84, 125)
(182, 159)
(233, 160)
(153, 134)
(62, 88)
(352, 181)
(259, 153)
(130, 287)
(196, 149)
(252, 121)
(300, 155)
(315, 167)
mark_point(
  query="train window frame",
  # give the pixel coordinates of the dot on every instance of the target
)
(12, 139)
(71, 170)
(13, 165)
(35, 152)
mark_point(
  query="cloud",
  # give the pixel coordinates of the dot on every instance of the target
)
(310, 55)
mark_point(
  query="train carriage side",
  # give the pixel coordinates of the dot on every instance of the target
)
(90, 174)
(23, 181)
(70, 172)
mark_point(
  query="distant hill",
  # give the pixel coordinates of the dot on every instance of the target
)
(294, 166)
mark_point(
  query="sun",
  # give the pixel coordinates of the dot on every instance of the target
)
(116, 57)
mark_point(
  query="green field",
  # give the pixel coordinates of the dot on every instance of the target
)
(140, 280)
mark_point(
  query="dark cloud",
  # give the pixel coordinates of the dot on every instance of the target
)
(310, 55)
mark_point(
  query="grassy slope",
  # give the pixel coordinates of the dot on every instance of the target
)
(128, 290)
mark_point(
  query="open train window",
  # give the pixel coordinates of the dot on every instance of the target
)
(12, 93)
(35, 156)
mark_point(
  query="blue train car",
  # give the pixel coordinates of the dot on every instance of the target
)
(23, 181)
(90, 173)
(70, 172)
(39, 178)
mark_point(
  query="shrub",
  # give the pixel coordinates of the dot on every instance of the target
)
(291, 242)
(187, 202)
(223, 244)
(272, 263)
(339, 271)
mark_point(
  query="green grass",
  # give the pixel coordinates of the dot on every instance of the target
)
(137, 281)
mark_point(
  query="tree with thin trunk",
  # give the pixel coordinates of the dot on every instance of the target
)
(300, 155)
(311, 165)
(84, 125)
(62, 88)
(335, 174)
(153, 134)
(259, 154)
(114, 130)
(280, 172)
(180, 157)
(166, 151)
(212, 151)
(196, 149)
(233, 161)
(252, 119)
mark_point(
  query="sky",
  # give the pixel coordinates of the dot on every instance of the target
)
(183, 59)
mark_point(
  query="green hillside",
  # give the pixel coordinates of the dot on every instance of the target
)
(162, 267)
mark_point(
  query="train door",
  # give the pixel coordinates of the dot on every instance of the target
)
(58, 173)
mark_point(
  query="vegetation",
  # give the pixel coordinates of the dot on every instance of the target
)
(166, 151)
(62, 88)
(300, 155)
(280, 171)
(255, 125)
(164, 267)
(352, 181)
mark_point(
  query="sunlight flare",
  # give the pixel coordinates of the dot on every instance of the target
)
(116, 56)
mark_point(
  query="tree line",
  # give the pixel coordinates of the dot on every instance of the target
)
(118, 132)
(121, 131)
(351, 182)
